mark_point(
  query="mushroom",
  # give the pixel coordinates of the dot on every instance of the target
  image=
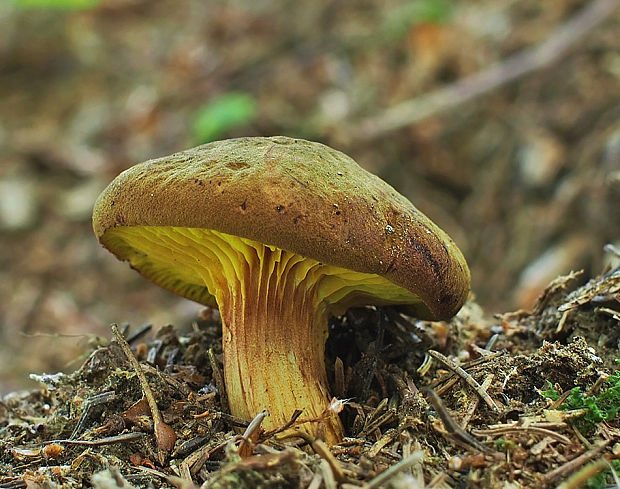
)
(280, 234)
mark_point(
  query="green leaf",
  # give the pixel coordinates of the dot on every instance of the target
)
(402, 18)
(223, 113)
(550, 392)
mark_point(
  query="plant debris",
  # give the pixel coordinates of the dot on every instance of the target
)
(405, 429)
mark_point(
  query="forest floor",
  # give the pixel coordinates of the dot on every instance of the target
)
(527, 399)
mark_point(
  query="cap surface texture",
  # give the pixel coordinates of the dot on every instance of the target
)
(300, 196)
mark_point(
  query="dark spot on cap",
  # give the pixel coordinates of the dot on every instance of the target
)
(423, 250)
(446, 299)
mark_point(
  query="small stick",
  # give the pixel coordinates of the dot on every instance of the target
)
(560, 400)
(469, 365)
(139, 333)
(91, 402)
(442, 389)
(165, 435)
(562, 321)
(602, 378)
(285, 426)
(250, 435)
(255, 424)
(466, 377)
(527, 429)
(474, 403)
(426, 365)
(573, 464)
(375, 354)
(388, 437)
(134, 435)
(451, 425)
(323, 451)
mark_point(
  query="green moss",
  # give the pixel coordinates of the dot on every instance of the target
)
(602, 407)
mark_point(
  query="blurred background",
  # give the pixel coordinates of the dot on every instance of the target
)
(499, 120)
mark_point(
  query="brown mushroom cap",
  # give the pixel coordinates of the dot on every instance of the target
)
(295, 195)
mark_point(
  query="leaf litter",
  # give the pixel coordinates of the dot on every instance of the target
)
(476, 402)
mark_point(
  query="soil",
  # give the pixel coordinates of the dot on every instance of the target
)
(486, 409)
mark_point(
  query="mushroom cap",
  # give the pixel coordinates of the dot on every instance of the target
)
(300, 196)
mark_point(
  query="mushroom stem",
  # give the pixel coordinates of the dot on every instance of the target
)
(274, 353)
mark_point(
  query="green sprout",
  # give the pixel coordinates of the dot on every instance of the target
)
(415, 12)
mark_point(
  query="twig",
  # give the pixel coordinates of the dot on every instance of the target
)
(88, 406)
(471, 365)
(284, 427)
(466, 377)
(573, 464)
(388, 437)
(375, 352)
(552, 49)
(321, 449)
(134, 435)
(523, 429)
(560, 400)
(139, 333)
(451, 425)
(474, 403)
(254, 425)
(165, 435)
